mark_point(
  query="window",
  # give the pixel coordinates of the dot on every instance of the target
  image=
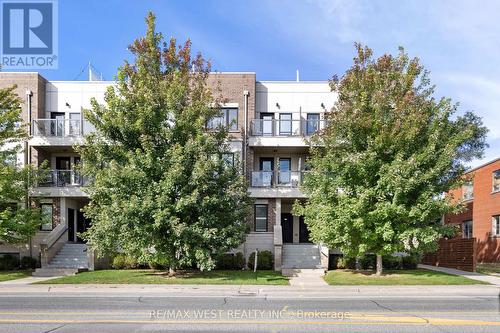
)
(285, 124)
(312, 123)
(260, 218)
(496, 181)
(228, 117)
(284, 171)
(495, 221)
(468, 191)
(467, 229)
(46, 217)
(228, 159)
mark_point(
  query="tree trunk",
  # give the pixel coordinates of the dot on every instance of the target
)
(379, 265)
(171, 271)
(358, 264)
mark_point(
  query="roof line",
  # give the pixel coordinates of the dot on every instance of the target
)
(483, 165)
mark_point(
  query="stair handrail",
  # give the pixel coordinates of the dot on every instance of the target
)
(50, 245)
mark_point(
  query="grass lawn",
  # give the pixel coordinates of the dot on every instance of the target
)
(493, 268)
(13, 275)
(399, 277)
(138, 276)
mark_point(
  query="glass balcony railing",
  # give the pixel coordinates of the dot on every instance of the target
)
(62, 178)
(281, 127)
(276, 178)
(60, 127)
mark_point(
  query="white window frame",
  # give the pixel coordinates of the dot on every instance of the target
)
(495, 225)
(495, 181)
(266, 218)
(46, 226)
(464, 192)
(467, 232)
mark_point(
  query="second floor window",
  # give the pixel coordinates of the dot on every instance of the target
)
(228, 117)
(467, 229)
(496, 180)
(468, 190)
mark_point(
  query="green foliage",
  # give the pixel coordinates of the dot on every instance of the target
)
(264, 260)
(231, 261)
(28, 262)
(161, 191)
(124, 261)
(9, 262)
(346, 263)
(389, 152)
(19, 218)
(368, 261)
(410, 261)
(392, 262)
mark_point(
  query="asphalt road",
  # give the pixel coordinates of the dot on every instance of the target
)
(142, 313)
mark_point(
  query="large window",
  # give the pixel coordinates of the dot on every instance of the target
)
(228, 117)
(285, 124)
(495, 221)
(228, 159)
(468, 191)
(46, 217)
(496, 181)
(260, 217)
(467, 229)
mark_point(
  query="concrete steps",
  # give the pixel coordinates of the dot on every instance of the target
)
(301, 256)
(71, 259)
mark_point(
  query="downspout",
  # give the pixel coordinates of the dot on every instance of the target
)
(27, 156)
(246, 93)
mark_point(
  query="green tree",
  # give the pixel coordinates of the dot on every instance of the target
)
(161, 189)
(19, 219)
(389, 153)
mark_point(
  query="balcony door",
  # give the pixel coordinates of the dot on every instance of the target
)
(285, 124)
(74, 124)
(63, 170)
(312, 123)
(57, 123)
(267, 123)
(266, 166)
(284, 171)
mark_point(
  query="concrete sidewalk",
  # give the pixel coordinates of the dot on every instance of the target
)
(27, 280)
(471, 275)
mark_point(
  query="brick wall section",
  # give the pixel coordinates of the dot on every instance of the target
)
(271, 216)
(458, 253)
(483, 206)
(231, 87)
(27, 81)
(56, 212)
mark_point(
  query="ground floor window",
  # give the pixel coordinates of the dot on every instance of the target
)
(46, 217)
(495, 220)
(467, 229)
(260, 213)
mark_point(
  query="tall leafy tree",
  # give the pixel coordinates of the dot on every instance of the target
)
(19, 219)
(162, 191)
(389, 152)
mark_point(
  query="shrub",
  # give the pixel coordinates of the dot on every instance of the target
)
(156, 265)
(264, 260)
(28, 262)
(9, 262)
(368, 261)
(410, 261)
(131, 262)
(230, 261)
(345, 262)
(391, 262)
(118, 261)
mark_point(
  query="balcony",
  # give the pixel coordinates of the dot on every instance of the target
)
(61, 183)
(59, 131)
(281, 132)
(270, 184)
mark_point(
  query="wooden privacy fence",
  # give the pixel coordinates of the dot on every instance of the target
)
(458, 253)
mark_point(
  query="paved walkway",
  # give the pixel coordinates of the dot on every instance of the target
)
(305, 277)
(27, 280)
(471, 275)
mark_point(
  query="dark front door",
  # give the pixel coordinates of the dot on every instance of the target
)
(287, 227)
(82, 224)
(71, 225)
(266, 170)
(303, 231)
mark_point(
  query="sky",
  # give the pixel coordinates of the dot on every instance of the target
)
(457, 41)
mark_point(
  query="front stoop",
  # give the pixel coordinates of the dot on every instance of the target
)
(305, 277)
(71, 259)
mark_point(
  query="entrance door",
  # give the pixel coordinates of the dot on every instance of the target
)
(82, 224)
(266, 165)
(57, 123)
(303, 231)
(63, 171)
(71, 225)
(267, 123)
(287, 227)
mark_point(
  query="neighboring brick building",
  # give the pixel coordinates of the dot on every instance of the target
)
(481, 219)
